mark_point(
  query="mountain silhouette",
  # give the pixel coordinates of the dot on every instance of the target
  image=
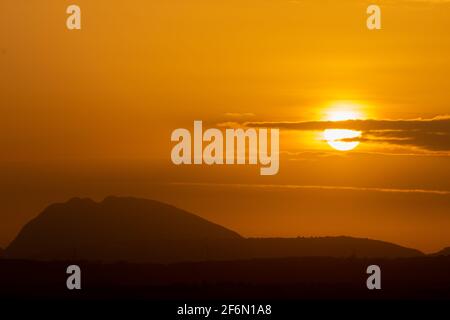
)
(443, 252)
(324, 246)
(114, 229)
(131, 229)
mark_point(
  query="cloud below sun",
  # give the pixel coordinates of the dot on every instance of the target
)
(431, 135)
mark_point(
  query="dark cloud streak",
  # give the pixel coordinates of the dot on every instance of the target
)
(429, 134)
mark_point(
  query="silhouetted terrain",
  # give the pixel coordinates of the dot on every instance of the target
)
(107, 239)
(275, 279)
(443, 252)
(130, 229)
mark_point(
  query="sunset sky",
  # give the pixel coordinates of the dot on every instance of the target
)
(90, 112)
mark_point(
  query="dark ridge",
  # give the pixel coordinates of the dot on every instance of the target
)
(132, 229)
(288, 279)
(443, 252)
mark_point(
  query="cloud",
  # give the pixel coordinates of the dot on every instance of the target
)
(433, 141)
(429, 134)
(239, 115)
(312, 187)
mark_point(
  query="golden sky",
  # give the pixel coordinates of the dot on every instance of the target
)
(90, 112)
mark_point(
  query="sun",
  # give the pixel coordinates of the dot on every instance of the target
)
(338, 138)
(342, 115)
(342, 139)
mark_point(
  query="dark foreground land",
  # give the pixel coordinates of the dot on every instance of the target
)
(274, 279)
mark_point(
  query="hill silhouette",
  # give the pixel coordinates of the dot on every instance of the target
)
(114, 229)
(131, 229)
(443, 252)
(288, 279)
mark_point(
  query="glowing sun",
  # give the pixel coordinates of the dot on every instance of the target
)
(342, 139)
(337, 138)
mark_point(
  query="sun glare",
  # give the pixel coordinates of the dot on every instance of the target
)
(342, 139)
(338, 138)
(343, 111)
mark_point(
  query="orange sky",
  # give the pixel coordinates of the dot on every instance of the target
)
(90, 112)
